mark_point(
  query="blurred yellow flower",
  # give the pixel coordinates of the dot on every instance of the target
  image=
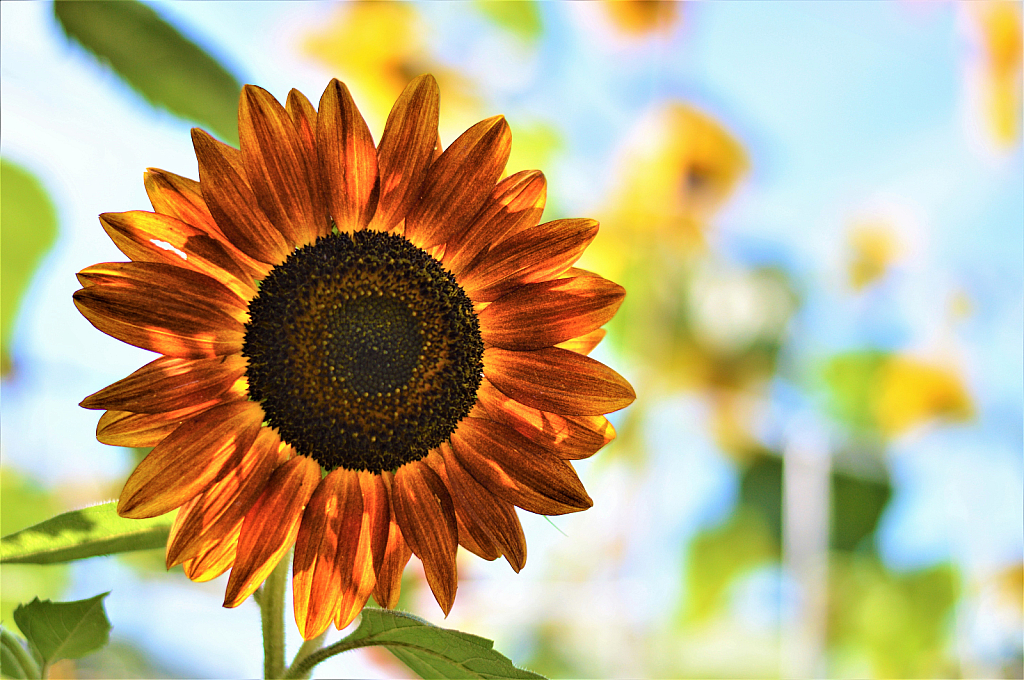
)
(892, 394)
(1000, 24)
(679, 167)
(912, 392)
(640, 17)
(378, 47)
(873, 248)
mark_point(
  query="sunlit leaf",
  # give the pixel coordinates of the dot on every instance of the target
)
(28, 231)
(89, 532)
(23, 502)
(157, 61)
(433, 652)
(64, 630)
(520, 18)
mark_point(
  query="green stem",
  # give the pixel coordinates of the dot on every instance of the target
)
(304, 666)
(308, 647)
(272, 613)
(24, 659)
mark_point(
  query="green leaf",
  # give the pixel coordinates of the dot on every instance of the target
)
(433, 652)
(28, 229)
(64, 630)
(88, 532)
(519, 17)
(157, 61)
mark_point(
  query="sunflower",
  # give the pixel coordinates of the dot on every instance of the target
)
(367, 352)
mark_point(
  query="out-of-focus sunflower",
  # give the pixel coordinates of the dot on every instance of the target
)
(366, 350)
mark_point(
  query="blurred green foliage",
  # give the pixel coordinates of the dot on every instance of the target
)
(28, 231)
(166, 68)
(521, 18)
(718, 556)
(898, 622)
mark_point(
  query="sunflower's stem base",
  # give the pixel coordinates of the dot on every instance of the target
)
(308, 647)
(272, 613)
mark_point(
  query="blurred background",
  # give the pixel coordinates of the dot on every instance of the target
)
(817, 210)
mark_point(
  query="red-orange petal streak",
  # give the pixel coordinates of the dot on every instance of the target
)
(270, 526)
(396, 556)
(151, 237)
(162, 308)
(482, 508)
(514, 468)
(276, 167)
(331, 522)
(427, 517)
(222, 507)
(584, 344)
(459, 183)
(169, 383)
(536, 254)
(406, 149)
(515, 203)
(543, 314)
(214, 559)
(232, 203)
(189, 459)
(568, 437)
(558, 381)
(304, 116)
(348, 159)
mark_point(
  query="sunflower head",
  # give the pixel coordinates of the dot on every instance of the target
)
(366, 351)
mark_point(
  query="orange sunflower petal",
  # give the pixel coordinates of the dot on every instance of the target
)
(179, 197)
(359, 560)
(348, 159)
(543, 314)
(214, 559)
(459, 183)
(169, 383)
(406, 149)
(584, 344)
(568, 437)
(189, 459)
(536, 254)
(396, 556)
(124, 428)
(483, 510)
(514, 468)
(163, 308)
(222, 507)
(304, 117)
(276, 167)
(151, 237)
(182, 198)
(558, 381)
(426, 515)
(516, 203)
(473, 537)
(326, 544)
(270, 526)
(232, 203)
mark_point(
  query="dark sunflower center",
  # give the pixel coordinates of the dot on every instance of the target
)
(363, 351)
